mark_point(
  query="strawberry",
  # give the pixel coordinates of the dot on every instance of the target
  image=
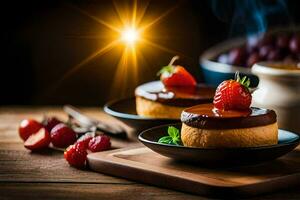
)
(62, 136)
(176, 75)
(76, 155)
(85, 139)
(99, 143)
(39, 140)
(233, 94)
(28, 127)
(50, 122)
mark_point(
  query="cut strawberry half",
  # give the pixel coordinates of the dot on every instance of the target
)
(38, 140)
(28, 127)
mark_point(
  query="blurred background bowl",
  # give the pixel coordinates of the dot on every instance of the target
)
(280, 44)
(215, 72)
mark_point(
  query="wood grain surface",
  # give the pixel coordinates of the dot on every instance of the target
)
(141, 164)
(46, 175)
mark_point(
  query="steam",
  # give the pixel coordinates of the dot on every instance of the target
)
(248, 17)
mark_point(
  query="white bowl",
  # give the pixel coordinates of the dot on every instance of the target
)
(279, 89)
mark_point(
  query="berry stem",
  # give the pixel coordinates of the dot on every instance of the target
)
(173, 60)
(169, 68)
(237, 76)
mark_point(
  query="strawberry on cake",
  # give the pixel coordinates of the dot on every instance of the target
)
(176, 91)
(229, 121)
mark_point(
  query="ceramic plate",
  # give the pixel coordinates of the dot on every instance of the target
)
(125, 110)
(217, 157)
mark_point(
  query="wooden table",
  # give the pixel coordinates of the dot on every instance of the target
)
(46, 175)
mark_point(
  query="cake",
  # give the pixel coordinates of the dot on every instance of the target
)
(204, 126)
(155, 100)
(176, 90)
(229, 122)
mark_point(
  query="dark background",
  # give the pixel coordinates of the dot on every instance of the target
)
(42, 40)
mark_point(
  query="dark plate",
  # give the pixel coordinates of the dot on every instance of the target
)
(125, 110)
(217, 157)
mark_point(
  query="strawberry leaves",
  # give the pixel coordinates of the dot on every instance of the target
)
(168, 70)
(245, 81)
(173, 137)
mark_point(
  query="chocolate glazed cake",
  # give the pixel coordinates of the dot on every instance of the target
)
(155, 100)
(204, 126)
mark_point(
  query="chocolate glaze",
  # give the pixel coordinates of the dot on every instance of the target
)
(205, 116)
(175, 96)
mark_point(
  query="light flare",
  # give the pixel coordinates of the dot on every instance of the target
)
(128, 29)
(130, 36)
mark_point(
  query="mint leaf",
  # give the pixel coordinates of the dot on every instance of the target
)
(176, 140)
(165, 140)
(172, 138)
(173, 132)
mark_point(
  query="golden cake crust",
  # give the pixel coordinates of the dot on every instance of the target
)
(148, 108)
(229, 138)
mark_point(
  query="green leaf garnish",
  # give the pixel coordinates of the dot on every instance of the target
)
(165, 140)
(167, 69)
(245, 81)
(173, 137)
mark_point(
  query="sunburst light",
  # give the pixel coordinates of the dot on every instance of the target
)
(129, 34)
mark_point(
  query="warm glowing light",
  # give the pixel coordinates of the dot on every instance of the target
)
(130, 36)
(127, 72)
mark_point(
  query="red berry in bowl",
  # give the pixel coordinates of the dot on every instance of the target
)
(38, 140)
(237, 56)
(274, 55)
(233, 95)
(252, 59)
(50, 122)
(282, 41)
(28, 127)
(99, 143)
(264, 51)
(266, 40)
(295, 44)
(76, 155)
(223, 58)
(252, 43)
(62, 136)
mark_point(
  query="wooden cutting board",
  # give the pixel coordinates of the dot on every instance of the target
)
(141, 164)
